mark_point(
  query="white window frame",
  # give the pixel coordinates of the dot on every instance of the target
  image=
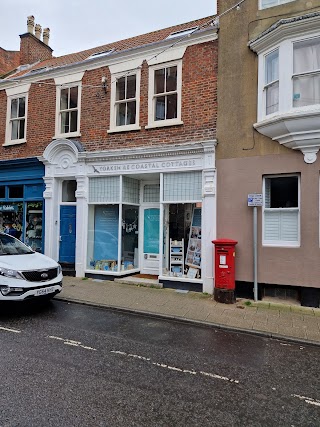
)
(115, 76)
(14, 93)
(279, 2)
(280, 243)
(65, 82)
(152, 123)
(268, 85)
(286, 75)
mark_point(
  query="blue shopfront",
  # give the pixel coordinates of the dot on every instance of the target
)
(21, 200)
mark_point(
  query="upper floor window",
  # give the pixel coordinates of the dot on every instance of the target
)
(68, 105)
(272, 82)
(306, 72)
(264, 4)
(126, 101)
(281, 220)
(16, 115)
(125, 98)
(165, 83)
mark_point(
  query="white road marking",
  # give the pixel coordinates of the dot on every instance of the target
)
(308, 400)
(72, 342)
(16, 331)
(174, 368)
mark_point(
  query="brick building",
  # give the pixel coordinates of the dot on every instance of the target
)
(108, 155)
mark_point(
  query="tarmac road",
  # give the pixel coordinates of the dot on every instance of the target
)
(65, 364)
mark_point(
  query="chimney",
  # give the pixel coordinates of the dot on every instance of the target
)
(32, 48)
(38, 31)
(30, 24)
(46, 36)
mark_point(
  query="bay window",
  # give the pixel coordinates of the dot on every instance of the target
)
(272, 82)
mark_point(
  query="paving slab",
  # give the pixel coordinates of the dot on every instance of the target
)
(301, 324)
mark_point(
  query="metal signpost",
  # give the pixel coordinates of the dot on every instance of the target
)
(255, 200)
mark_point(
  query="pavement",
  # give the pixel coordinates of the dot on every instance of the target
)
(269, 319)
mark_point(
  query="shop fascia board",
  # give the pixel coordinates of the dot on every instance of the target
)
(144, 52)
(296, 130)
(152, 152)
(285, 29)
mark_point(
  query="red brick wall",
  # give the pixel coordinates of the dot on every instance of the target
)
(199, 110)
(33, 49)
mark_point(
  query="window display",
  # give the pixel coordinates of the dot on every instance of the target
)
(34, 233)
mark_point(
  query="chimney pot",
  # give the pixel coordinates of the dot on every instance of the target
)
(30, 24)
(46, 35)
(37, 31)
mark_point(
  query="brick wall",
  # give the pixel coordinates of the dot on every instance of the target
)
(33, 50)
(199, 110)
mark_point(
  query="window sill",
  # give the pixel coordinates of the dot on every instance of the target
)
(15, 142)
(124, 129)
(67, 135)
(164, 123)
(284, 245)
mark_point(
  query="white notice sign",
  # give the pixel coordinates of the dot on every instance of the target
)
(255, 199)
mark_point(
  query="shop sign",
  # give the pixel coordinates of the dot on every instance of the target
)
(8, 208)
(147, 166)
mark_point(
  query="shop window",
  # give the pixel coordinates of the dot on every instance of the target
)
(16, 192)
(34, 231)
(182, 186)
(104, 189)
(11, 218)
(281, 213)
(69, 191)
(129, 257)
(182, 240)
(2, 192)
(130, 190)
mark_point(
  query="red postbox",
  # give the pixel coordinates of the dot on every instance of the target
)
(224, 261)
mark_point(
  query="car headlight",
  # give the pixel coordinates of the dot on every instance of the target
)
(7, 272)
(59, 269)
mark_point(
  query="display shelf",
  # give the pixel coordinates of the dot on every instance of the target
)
(176, 257)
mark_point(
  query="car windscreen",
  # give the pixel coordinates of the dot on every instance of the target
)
(12, 246)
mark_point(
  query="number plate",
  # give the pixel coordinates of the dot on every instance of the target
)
(45, 291)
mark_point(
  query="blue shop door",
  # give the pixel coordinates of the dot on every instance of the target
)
(67, 234)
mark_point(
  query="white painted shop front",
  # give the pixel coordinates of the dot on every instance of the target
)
(139, 210)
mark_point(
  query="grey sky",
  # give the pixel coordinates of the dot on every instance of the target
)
(80, 24)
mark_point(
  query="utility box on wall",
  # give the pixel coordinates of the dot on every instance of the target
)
(224, 260)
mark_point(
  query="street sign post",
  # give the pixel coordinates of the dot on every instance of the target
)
(255, 200)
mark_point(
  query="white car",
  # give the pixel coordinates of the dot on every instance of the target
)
(25, 274)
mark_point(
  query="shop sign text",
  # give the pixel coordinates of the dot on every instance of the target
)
(169, 164)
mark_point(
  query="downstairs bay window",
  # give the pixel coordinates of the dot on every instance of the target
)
(281, 211)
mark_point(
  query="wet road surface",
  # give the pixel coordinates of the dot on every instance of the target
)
(65, 364)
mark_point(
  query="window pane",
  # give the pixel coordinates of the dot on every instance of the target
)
(68, 191)
(131, 87)
(171, 74)
(14, 108)
(2, 192)
(283, 192)
(172, 106)
(306, 90)
(130, 220)
(306, 56)
(160, 108)
(272, 98)
(16, 192)
(14, 129)
(64, 122)
(21, 129)
(64, 99)
(22, 107)
(120, 91)
(121, 114)
(272, 67)
(73, 97)
(159, 76)
(131, 113)
(74, 121)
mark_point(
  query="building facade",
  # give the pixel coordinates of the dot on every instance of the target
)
(126, 136)
(269, 137)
